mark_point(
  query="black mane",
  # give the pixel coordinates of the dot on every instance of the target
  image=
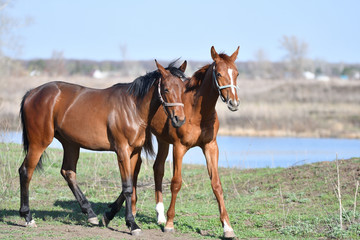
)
(141, 85)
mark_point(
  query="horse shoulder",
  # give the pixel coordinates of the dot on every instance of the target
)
(209, 128)
(125, 126)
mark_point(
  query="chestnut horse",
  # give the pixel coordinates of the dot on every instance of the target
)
(112, 119)
(200, 129)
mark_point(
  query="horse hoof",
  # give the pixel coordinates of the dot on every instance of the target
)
(105, 221)
(229, 234)
(161, 222)
(169, 230)
(94, 221)
(136, 232)
(31, 224)
(134, 228)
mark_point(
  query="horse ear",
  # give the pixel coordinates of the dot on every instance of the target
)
(183, 66)
(234, 55)
(214, 54)
(161, 69)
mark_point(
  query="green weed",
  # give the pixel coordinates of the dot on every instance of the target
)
(307, 207)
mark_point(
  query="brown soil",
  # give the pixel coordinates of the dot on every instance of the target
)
(16, 230)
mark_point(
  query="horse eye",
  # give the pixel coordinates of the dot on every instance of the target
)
(218, 74)
(166, 90)
(237, 75)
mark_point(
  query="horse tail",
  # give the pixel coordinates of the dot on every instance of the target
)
(25, 139)
(148, 145)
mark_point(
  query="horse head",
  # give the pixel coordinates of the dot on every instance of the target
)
(171, 89)
(225, 75)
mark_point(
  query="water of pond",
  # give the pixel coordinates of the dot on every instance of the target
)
(258, 152)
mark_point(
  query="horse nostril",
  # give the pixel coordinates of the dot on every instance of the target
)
(232, 103)
(235, 103)
(182, 122)
(177, 122)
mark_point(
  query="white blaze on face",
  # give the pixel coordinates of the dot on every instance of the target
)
(160, 213)
(230, 71)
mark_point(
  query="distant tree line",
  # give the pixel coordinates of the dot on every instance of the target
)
(248, 70)
(293, 65)
(280, 70)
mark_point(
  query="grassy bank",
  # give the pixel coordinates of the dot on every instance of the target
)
(298, 202)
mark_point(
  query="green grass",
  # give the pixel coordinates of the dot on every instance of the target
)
(269, 203)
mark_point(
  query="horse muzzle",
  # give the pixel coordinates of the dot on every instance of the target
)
(233, 105)
(177, 122)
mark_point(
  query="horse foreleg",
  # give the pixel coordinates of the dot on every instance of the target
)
(127, 190)
(163, 150)
(135, 165)
(211, 152)
(116, 206)
(176, 181)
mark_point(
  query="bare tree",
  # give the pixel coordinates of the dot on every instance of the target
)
(296, 51)
(123, 51)
(262, 65)
(9, 41)
(124, 55)
(130, 68)
(6, 23)
(56, 65)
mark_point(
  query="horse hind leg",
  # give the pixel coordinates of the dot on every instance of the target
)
(26, 171)
(68, 171)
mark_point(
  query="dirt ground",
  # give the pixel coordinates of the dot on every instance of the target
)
(17, 230)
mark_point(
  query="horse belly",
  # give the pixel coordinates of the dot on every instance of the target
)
(89, 136)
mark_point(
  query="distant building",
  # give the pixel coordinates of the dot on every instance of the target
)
(34, 73)
(356, 75)
(99, 74)
(308, 75)
(323, 78)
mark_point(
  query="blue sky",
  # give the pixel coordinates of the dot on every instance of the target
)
(86, 29)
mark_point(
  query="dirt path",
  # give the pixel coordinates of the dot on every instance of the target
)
(14, 230)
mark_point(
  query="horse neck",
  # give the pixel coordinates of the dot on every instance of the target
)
(148, 105)
(206, 94)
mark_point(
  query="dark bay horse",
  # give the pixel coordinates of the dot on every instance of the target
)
(200, 129)
(112, 119)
